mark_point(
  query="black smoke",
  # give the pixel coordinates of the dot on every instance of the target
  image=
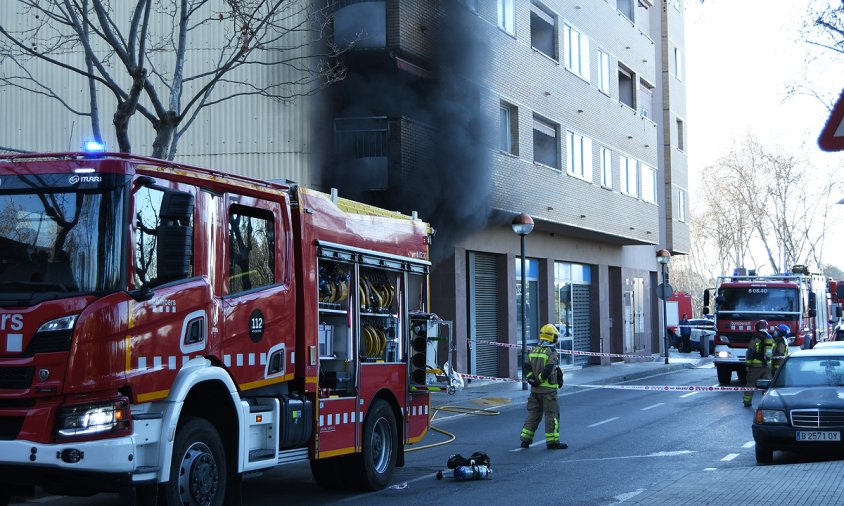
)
(446, 179)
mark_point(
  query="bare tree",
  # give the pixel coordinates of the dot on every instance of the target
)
(758, 198)
(140, 55)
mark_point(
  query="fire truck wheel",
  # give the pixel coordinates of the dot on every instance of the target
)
(328, 473)
(374, 466)
(724, 375)
(198, 470)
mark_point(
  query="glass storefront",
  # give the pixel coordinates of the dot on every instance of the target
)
(572, 309)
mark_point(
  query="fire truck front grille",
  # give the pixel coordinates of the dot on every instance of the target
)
(10, 426)
(817, 418)
(16, 378)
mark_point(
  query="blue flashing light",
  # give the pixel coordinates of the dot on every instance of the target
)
(93, 147)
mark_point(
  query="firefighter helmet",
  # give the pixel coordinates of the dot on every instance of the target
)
(762, 325)
(549, 333)
(783, 328)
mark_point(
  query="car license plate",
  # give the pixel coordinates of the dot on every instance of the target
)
(818, 436)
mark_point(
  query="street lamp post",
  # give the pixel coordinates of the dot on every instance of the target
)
(663, 256)
(523, 225)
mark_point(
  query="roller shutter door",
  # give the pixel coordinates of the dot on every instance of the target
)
(581, 316)
(484, 304)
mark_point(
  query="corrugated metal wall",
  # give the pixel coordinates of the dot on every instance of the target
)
(253, 136)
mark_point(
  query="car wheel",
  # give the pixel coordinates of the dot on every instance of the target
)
(724, 375)
(764, 454)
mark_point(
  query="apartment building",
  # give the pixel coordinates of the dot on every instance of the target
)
(571, 111)
(471, 113)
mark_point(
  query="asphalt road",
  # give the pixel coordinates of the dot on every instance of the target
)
(623, 446)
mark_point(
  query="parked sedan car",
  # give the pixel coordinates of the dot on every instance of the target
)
(803, 408)
(703, 329)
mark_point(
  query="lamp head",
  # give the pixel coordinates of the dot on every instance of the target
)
(522, 224)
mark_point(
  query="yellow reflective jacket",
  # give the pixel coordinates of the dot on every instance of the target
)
(541, 365)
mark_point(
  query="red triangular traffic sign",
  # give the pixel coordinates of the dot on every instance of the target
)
(832, 136)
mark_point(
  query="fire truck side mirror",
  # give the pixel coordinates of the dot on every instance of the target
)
(839, 312)
(813, 302)
(706, 296)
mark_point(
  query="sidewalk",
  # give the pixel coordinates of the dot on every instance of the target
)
(610, 374)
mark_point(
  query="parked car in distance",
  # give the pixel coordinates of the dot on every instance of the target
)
(828, 344)
(803, 408)
(703, 329)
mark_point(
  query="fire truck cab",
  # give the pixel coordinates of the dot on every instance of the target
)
(797, 299)
(167, 330)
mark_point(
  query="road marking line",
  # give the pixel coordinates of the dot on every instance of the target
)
(749, 444)
(690, 393)
(623, 457)
(710, 468)
(729, 457)
(653, 406)
(608, 420)
(535, 443)
(628, 495)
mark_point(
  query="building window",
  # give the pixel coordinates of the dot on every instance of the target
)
(508, 138)
(681, 206)
(251, 249)
(648, 184)
(604, 72)
(646, 98)
(680, 142)
(507, 16)
(579, 161)
(625, 7)
(626, 86)
(545, 146)
(606, 167)
(678, 63)
(576, 47)
(629, 170)
(543, 30)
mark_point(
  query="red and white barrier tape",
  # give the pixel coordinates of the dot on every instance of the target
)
(670, 388)
(574, 352)
(660, 388)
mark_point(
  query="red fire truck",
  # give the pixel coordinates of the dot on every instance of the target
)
(797, 299)
(166, 331)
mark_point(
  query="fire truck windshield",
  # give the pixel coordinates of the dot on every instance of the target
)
(759, 299)
(60, 236)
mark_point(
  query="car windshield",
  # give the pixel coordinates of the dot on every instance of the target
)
(60, 236)
(811, 371)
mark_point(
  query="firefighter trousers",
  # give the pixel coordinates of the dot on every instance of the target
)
(755, 373)
(539, 405)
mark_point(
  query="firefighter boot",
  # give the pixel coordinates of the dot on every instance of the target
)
(557, 446)
(525, 444)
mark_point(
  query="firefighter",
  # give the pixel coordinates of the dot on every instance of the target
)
(780, 347)
(758, 358)
(545, 377)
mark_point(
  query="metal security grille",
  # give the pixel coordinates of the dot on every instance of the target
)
(581, 317)
(485, 324)
(817, 418)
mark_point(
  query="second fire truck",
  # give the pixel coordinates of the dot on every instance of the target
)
(797, 299)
